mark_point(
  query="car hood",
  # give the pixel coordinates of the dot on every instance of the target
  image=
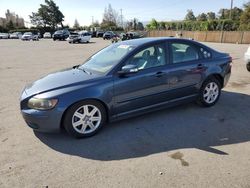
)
(58, 80)
(27, 35)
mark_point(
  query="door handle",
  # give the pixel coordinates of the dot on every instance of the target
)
(160, 74)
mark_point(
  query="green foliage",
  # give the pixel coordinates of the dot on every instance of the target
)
(245, 17)
(3, 29)
(225, 14)
(208, 21)
(153, 25)
(212, 25)
(202, 17)
(211, 16)
(48, 15)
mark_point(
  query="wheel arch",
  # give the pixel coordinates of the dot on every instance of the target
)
(216, 76)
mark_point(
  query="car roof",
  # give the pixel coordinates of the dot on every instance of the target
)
(145, 41)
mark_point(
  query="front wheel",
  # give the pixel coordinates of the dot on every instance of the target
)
(209, 92)
(85, 118)
(248, 67)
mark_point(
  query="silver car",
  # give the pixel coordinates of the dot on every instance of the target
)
(247, 58)
(4, 35)
(16, 35)
(29, 36)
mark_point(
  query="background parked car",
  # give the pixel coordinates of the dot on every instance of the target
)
(247, 58)
(16, 35)
(79, 37)
(99, 34)
(108, 35)
(47, 35)
(4, 35)
(30, 36)
(61, 35)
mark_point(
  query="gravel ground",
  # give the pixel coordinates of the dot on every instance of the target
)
(185, 146)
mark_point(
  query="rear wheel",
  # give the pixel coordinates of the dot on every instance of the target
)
(209, 92)
(85, 118)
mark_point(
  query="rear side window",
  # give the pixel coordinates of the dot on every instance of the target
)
(182, 52)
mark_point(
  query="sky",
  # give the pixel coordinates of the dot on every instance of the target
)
(85, 10)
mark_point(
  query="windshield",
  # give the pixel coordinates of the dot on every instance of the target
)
(107, 58)
(28, 33)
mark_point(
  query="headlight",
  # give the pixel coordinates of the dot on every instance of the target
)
(42, 104)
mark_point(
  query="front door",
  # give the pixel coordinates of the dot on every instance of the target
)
(147, 86)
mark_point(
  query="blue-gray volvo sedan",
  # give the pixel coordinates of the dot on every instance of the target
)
(123, 80)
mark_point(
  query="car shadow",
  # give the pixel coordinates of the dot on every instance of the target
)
(185, 126)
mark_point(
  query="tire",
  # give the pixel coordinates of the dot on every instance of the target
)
(209, 92)
(248, 67)
(84, 126)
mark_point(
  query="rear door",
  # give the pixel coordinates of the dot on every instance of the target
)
(186, 69)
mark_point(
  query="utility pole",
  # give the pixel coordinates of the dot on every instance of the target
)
(230, 16)
(121, 18)
(92, 20)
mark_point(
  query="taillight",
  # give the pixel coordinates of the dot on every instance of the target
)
(230, 59)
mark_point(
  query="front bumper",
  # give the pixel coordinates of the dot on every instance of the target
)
(247, 58)
(42, 121)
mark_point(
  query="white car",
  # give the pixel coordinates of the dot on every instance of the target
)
(16, 35)
(247, 58)
(47, 35)
(4, 35)
(80, 37)
(29, 36)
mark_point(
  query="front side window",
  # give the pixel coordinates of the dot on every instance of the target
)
(150, 57)
(182, 52)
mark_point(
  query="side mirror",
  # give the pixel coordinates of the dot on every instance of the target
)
(128, 69)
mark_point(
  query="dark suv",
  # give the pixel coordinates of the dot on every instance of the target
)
(108, 35)
(61, 35)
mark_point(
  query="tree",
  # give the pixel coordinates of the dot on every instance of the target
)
(76, 24)
(245, 17)
(48, 15)
(140, 26)
(10, 25)
(162, 25)
(211, 16)
(153, 24)
(110, 18)
(202, 17)
(225, 14)
(134, 25)
(190, 16)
